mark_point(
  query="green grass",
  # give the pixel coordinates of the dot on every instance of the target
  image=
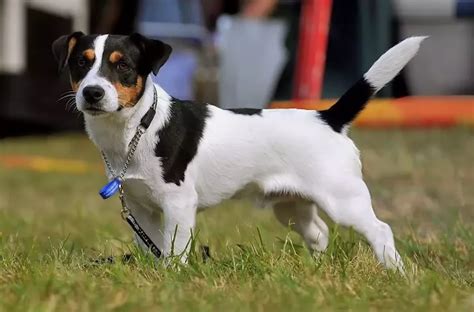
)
(52, 225)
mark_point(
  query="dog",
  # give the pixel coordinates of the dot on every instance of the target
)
(194, 156)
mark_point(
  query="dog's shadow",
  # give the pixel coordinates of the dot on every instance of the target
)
(129, 258)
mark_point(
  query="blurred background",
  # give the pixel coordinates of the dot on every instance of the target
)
(248, 53)
(416, 140)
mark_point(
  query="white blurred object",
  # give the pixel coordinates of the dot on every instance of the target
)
(425, 8)
(251, 58)
(13, 27)
(12, 36)
(445, 65)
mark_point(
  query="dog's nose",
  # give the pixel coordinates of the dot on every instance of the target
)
(93, 94)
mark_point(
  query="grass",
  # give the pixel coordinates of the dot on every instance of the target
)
(52, 225)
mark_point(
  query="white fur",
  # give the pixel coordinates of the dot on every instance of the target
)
(392, 62)
(290, 152)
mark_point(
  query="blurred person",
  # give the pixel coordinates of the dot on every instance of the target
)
(359, 31)
(258, 8)
(287, 11)
(260, 14)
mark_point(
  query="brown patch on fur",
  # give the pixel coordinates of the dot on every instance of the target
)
(128, 96)
(71, 44)
(115, 57)
(89, 54)
(74, 84)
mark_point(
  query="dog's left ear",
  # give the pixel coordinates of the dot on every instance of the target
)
(62, 48)
(155, 52)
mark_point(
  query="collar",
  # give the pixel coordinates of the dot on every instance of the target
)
(113, 186)
(146, 120)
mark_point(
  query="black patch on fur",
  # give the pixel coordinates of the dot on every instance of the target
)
(140, 54)
(246, 111)
(131, 56)
(60, 48)
(79, 72)
(179, 138)
(154, 53)
(348, 106)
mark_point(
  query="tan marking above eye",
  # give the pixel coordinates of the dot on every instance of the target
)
(128, 96)
(115, 57)
(89, 54)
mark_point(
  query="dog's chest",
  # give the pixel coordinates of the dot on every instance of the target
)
(143, 177)
(140, 191)
(142, 180)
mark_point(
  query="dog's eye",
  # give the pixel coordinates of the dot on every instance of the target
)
(81, 62)
(122, 66)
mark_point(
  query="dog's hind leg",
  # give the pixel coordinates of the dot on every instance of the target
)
(349, 204)
(302, 217)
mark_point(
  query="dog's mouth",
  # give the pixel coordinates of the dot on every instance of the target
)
(94, 111)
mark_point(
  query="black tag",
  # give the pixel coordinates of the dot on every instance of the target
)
(145, 239)
(148, 118)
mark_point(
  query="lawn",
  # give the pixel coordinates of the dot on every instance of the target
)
(53, 225)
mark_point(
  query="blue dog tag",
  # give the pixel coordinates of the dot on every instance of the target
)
(110, 188)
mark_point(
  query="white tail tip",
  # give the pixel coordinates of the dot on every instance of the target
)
(392, 62)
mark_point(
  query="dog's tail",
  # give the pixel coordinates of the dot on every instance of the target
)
(382, 71)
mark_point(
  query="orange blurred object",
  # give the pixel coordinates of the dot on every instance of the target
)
(313, 38)
(411, 111)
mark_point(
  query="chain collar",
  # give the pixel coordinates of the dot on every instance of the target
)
(141, 129)
(116, 182)
(132, 148)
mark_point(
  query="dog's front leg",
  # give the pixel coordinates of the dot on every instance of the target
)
(179, 217)
(149, 220)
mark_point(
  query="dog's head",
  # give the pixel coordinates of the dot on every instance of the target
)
(108, 72)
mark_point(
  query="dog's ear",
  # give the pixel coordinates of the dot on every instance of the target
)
(62, 48)
(155, 52)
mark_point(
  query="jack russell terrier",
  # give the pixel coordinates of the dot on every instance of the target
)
(193, 156)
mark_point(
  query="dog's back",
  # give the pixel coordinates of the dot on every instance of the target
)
(284, 150)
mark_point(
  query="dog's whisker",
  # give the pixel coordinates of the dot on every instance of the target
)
(72, 109)
(68, 92)
(70, 100)
(67, 96)
(71, 105)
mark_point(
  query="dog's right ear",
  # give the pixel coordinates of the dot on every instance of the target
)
(62, 48)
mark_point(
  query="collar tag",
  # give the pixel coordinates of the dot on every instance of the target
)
(110, 189)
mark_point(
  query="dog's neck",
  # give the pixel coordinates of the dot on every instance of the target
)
(112, 133)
